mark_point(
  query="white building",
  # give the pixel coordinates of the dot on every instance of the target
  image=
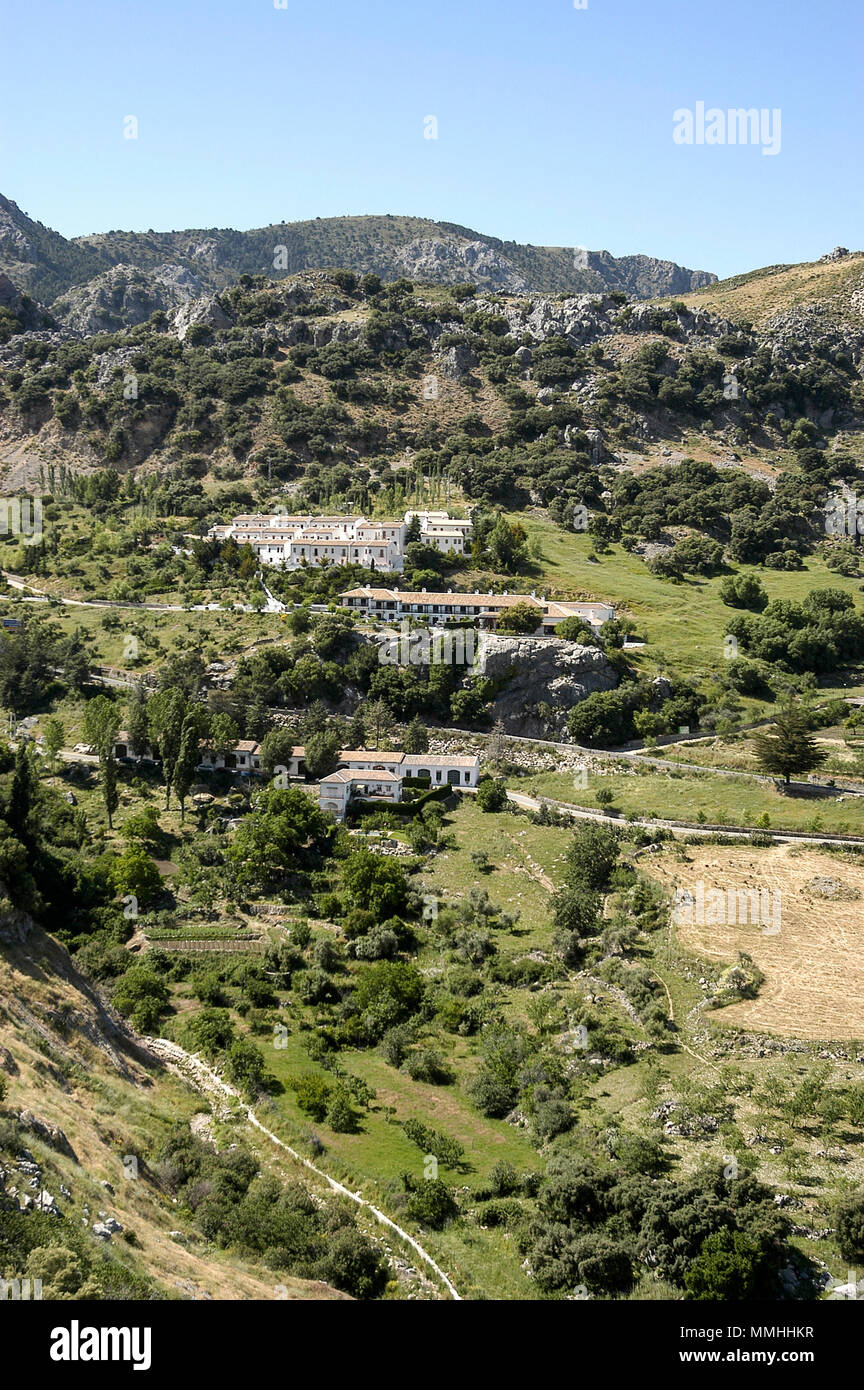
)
(439, 608)
(378, 775)
(291, 541)
(336, 792)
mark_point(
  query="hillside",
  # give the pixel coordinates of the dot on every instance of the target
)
(475, 1011)
(47, 265)
(830, 291)
(83, 1097)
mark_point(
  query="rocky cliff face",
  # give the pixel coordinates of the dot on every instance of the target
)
(125, 296)
(544, 678)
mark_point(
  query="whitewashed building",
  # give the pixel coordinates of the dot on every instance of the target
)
(439, 608)
(292, 541)
(379, 775)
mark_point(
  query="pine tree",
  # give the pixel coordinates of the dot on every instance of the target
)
(788, 747)
(23, 792)
(416, 737)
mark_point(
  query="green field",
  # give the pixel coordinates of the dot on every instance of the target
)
(723, 800)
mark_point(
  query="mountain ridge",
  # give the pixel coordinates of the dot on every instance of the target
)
(47, 265)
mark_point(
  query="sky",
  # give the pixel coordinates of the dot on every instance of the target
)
(555, 123)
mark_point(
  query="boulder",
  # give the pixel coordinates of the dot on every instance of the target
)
(542, 671)
(206, 310)
(50, 1134)
(457, 361)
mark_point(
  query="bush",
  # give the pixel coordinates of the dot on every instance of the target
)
(432, 1204)
(313, 1094)
(492, 795)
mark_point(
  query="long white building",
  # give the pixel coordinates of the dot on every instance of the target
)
(439, 608)
(292, 541)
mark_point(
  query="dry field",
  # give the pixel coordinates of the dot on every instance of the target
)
(814, 966)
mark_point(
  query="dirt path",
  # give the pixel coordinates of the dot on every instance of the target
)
(536, 872)
(199, 1075)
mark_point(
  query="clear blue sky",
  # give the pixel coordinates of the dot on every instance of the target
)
(555, 124)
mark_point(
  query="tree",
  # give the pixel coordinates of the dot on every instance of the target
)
(576, 915)
(285, 834)
(54, 734)
(577, 630)
(136, 723)
(224, 734)
(592, 855)
(378, 719)
(144, 827)
(166, 712)
(416, 738)
(492, 795)
(850, 1229)
(133, 873)
(101, 723)
(744, 591)
(277, 749)
(355, 732)
(76, 665)
(376, 884)
(391, 992)
(110, 795)
(726, 1269)
(353, 1264)
(23, 793)
(432, 1204)
(788, 748)
(519, 618)
(322, 753)
(507, 545)
(141, 996)
(187, 760)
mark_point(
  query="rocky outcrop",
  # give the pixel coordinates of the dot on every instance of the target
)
(543, 677)
(447, 261)
(206, 311)
(455, 362)
(52, 1135)
(31, 316)
(15, 925)
(125, 296)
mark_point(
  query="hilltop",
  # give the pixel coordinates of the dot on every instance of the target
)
(46, 264)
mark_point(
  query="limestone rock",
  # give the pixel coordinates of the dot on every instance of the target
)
(457, 361)
(542, 671)
(207, 311)
(50, 1134)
